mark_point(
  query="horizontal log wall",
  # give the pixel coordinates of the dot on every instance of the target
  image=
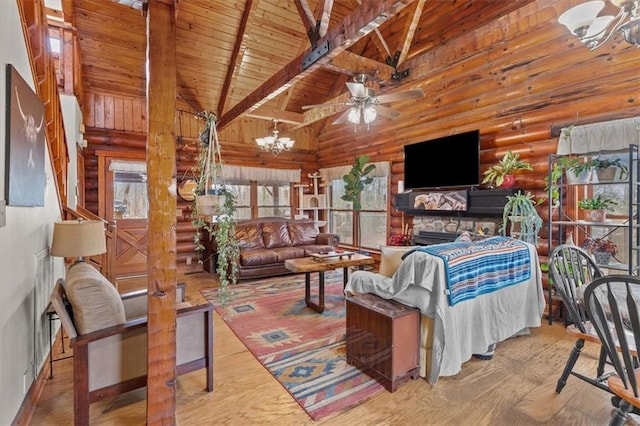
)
(186, 159)
(513, 80)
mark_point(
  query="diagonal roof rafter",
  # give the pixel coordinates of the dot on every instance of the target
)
(359, 23)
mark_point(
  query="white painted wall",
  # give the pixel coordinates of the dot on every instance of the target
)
(27, 232)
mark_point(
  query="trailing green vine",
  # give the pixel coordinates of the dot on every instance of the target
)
(218, 218)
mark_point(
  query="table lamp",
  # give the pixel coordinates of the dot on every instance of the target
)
(78, 238)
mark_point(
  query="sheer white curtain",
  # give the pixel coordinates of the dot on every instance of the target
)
(261, 174)
(383, 169)
(606, 136)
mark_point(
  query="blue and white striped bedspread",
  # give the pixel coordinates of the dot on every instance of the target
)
(475, 268)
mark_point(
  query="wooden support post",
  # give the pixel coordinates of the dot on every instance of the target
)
(161, 186)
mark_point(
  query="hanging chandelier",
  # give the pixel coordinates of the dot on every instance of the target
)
(274, 143)
(593, 30)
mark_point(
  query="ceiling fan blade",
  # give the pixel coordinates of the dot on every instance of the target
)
(358, 90)
(343, 117)
(399, 96)
(386, 111)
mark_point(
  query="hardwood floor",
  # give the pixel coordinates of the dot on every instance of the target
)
(517, 387)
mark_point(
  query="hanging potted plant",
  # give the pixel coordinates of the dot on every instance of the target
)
(525, 222)
(214, 207)
(502, 175)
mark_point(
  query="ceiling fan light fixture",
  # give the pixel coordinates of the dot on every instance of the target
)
(369, 114)
(354, 115)
(274, 143)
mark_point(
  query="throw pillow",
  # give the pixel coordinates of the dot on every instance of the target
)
(391, 258)
(96, 302)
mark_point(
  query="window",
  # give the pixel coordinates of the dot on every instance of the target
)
(130, 195)
(274, 200)
(366, 228)
(242, 192)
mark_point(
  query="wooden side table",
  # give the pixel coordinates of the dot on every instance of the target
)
(383, 339)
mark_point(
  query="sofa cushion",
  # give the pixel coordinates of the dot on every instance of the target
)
(275, 234)
(96, 302)
(390, 259)
(257, 257)
(284, 253)
(249, 236)
(303, 232)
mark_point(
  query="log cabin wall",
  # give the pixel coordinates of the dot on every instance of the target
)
(118, 124)
(512, 79)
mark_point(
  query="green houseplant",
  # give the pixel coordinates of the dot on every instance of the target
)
(606, 168)
(523, 219)
(596, 208)
(216, 214)
(356, 180)
(502, 174)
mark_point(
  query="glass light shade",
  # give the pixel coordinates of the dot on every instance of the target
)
(354, 115)
(581, 16)
(598, 27)
(631, 32)
(78, 238)
(274, 143)
(618, 2)
(369, 114)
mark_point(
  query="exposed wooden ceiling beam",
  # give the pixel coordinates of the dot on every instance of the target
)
(306, 15)
(360, 22)
(409, 31)
(234, 61)
(282, 116)
(379, 42)
(351, 63)
(324, 19)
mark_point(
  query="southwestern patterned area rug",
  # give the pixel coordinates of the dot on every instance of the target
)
(302, 349)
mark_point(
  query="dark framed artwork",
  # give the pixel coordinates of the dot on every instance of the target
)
(24, 174)
(450, 200)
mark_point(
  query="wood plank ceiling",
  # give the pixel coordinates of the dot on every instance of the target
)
(242, 57)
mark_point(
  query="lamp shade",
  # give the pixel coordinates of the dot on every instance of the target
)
(581, 16)
(78, 238)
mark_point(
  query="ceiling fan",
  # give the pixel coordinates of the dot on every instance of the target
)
(365, 105)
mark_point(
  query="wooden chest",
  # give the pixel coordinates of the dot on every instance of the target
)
(382, 339)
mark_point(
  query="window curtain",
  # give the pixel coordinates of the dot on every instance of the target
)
(259, 174)
(383, 169)
(128, 166)
(606, 136)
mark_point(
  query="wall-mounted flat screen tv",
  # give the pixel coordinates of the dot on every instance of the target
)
(450, 161)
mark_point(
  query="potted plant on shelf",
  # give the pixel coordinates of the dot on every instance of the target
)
(520, 212)
(606, 169)
(502, 175)
(596, 208)
(602, 249)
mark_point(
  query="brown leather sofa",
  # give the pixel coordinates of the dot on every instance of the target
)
(265, 244)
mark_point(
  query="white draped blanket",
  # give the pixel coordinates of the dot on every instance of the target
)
(468, 327)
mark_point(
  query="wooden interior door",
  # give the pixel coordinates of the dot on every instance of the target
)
(117, 206)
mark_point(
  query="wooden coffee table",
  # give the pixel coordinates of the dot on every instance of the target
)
(310, 264)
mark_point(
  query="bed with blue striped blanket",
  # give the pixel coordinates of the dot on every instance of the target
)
(482, 267)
